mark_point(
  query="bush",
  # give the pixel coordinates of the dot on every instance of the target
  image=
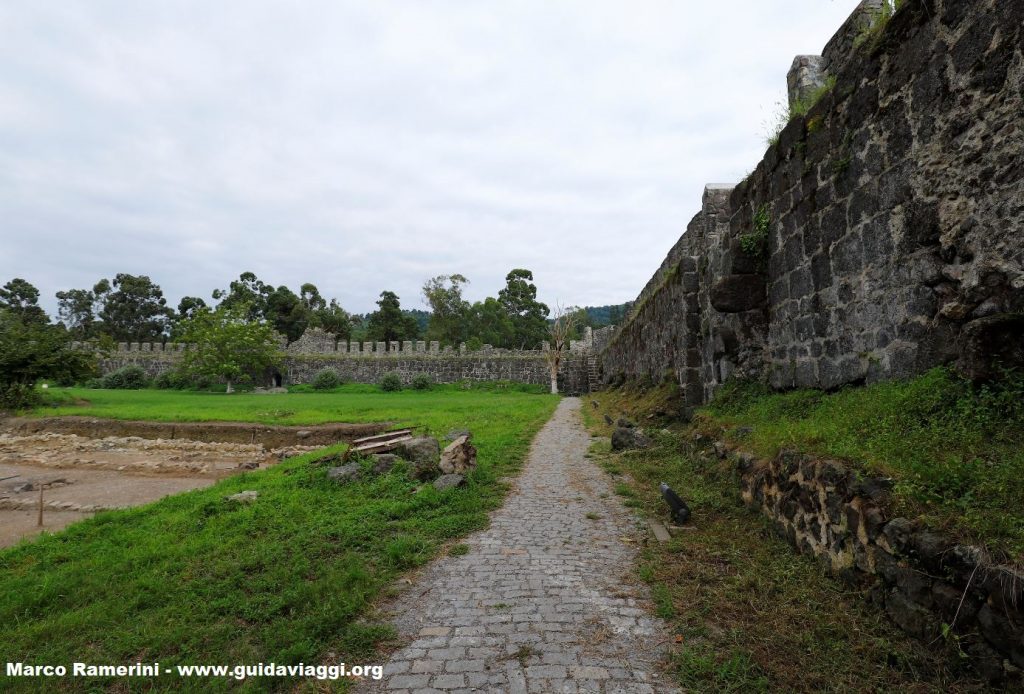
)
(18, 396)
(422, 382)
(93, 383)
(326, 379)
(129, 377)
(391, 382)
(172, 380)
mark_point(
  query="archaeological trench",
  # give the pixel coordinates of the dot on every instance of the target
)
(882, 234)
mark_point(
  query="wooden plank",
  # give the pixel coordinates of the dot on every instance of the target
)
(384, 436)
(660, 532)
(379, 446)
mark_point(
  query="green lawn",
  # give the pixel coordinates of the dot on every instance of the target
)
(435, 408)
(193, 579)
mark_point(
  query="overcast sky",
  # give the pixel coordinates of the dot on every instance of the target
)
(365, 146)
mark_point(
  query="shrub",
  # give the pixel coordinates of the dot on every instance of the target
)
(326, 379)
(18, 396)
(93, 383)
(129, 377)
(391, 382)
(422, 382)
(172, 380)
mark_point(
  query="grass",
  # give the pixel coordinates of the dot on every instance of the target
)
(349, 403)
(749, 614)
(292, 577)
(799, 108)
(955, 451)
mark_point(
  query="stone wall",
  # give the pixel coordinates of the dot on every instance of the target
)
(892, 218)
(368, 362)
(921, 579)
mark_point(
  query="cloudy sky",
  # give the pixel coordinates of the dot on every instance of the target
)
(365, 146)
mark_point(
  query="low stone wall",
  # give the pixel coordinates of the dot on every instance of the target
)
(923, 580)
(370, 367)
(473, 366)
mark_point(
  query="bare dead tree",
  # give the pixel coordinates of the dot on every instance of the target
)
(559, 331)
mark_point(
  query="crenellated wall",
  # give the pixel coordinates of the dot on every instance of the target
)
(368, 362)
(882, 234)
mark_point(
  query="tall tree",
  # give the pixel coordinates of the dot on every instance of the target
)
(334, 319)
(79, 309)
(286, 312)
(388, 323)
(22, 299)
(529, 316)
(135, 310)
(248, 291)
(310, 297)
(490, 324)
(449, 311)
(188, 306)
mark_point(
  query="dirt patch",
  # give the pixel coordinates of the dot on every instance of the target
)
(268, 435)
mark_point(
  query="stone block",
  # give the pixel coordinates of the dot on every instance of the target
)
(736, 293)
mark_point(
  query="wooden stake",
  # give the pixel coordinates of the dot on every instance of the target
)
(40, 504)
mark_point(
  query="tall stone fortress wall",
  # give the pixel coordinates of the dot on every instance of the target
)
(892, 215)
(368, 362)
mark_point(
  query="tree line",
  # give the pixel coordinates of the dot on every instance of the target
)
(132, 308)
(234, 334)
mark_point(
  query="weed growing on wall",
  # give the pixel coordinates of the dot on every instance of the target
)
(755, 243)
(872, 29)
(786, 113)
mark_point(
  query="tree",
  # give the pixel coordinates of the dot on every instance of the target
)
(388, 323)
(449, 311)
(559, 331)
(79, 309)
(227, 345)
(310, 297)
(31, 350)
(248, 292)
(286, 313)
(334, 319)
(490, 323)
(188, 306)
(529, 316)
(22, 299)
(135, 310)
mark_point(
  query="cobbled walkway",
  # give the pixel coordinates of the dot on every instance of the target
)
(545, 600)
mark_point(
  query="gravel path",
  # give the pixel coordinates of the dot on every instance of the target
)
(545, 600)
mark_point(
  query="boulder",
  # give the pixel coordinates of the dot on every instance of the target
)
(456, 433)
(458, 457)
(246, 497)
(988, 345)
(624, 423)
(422, 449)
(346, 473)
(608, 420)
(449, 482)
(383, 462)
(624, 438)
(423, 454)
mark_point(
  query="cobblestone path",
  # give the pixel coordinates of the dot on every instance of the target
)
(545, 600)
